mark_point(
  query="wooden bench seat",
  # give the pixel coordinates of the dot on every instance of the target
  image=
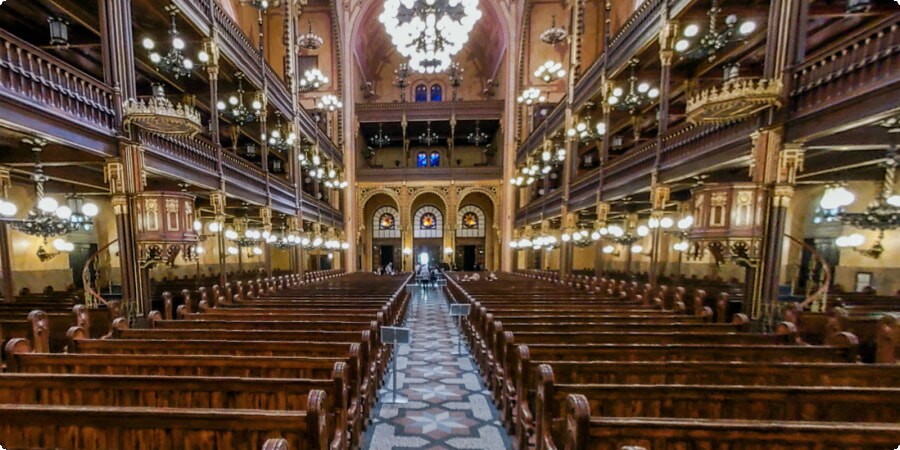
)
(118, 428)
(586, 432)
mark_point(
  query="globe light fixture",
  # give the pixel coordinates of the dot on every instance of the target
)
(637, 95)
(313, 80)
(531, 96)
(174, 61)
(550, 71)
(329, 102)
(234, 108)
(715, 38)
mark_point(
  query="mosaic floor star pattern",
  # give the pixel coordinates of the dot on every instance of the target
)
(449, 407)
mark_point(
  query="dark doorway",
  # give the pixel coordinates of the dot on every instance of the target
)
(469, 257)
(387, 255)
(77, 258)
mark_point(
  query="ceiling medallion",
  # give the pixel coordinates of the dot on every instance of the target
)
(310, 40)
(429, 32)
(736, 99)
(554, 35)
(159, 115)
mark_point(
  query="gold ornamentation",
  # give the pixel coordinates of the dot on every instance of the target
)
(735, 100)
(159, 115)
(114, 176)
(119, 204)
(217, 201)
(660, 196)
(790, 161)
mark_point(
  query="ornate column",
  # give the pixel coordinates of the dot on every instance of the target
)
(7, 290)
(602, 215)
(217, 201)
(265, 214)
(117, 45)
(659, 196)
(125, 177)
(774, 165)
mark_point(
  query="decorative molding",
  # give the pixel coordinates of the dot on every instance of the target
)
(734, 100)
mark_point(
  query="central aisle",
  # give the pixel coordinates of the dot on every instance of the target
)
(449, 407)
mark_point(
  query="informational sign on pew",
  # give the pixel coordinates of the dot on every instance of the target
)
(395, 336)
(460, 310)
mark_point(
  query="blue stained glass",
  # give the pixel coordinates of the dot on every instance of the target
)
(435, 159)
(422, 160)
(437, 92)
(421, 93)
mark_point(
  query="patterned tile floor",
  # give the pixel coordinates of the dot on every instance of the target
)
(449, 407)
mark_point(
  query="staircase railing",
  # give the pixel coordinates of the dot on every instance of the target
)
(92, 298)
(820, 295)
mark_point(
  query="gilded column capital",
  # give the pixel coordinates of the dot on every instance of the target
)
(790, 162)
(659, 196)
(782, 195)
(119, 204)
(217, 201)
(114, 176)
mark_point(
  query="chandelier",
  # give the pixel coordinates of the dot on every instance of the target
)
(714, 40)
(543, 241)
(329, 102)
(531, 96)
(380, 139)
(454, 75)
(549, 158)
(47, 218)
(554, 35)
(580, 238)
(284, 240)
(310, 40)
(429, 32)
(236, 110)
(478, 137)
(550, 71)
(335, 179)
(313, 80)
(584, 132)
(638, 94)
(281, 139)
(429, 137)
(174, 61)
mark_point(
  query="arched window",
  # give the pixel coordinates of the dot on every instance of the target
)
(471, 222)
(422, 159)
(437, 92)
(421, 93)
(429, 223)
(386, 223)
(435, 159)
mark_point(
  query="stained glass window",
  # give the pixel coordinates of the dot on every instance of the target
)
(471, 222)
(437, 93)
(421, 93)
(422, 159)
(385, 223)
(428, 223)
(435, 159)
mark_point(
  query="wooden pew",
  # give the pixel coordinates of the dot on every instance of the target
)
(116, 428)
(586, 432)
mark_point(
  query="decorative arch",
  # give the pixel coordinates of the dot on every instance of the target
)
(428, 223)
(420, 93)
(471, 222)
(488, 192)
(386, 223)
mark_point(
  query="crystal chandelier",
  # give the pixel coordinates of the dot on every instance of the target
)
(638, 94)
(554, 35)
(714, 40)
(281, 138)
(48, 218)
(174, 61)
(531, 96)
(550, 71)
(310, 40)
(329, 102)
(380, 139)
(478, 137)
(236, 110)
(429, 32)
(313, 80)
(429, 137)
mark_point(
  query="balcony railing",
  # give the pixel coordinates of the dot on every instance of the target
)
(45, 82)
(198, 154)
(430, 173)
(861, 63)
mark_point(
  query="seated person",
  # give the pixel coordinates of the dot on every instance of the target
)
(492, 277)
(475, 277)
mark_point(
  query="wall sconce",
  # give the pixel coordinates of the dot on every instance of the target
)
(407, 251)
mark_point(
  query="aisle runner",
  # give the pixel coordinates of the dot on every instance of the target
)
(449, 407)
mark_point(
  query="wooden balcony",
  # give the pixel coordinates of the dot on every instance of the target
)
(853, 79)
(430, 174)
(423, 111)
(47, 95)
(237, 48)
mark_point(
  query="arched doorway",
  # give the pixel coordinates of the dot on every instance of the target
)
(481, 237)
(383, 237)
(428, 234)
